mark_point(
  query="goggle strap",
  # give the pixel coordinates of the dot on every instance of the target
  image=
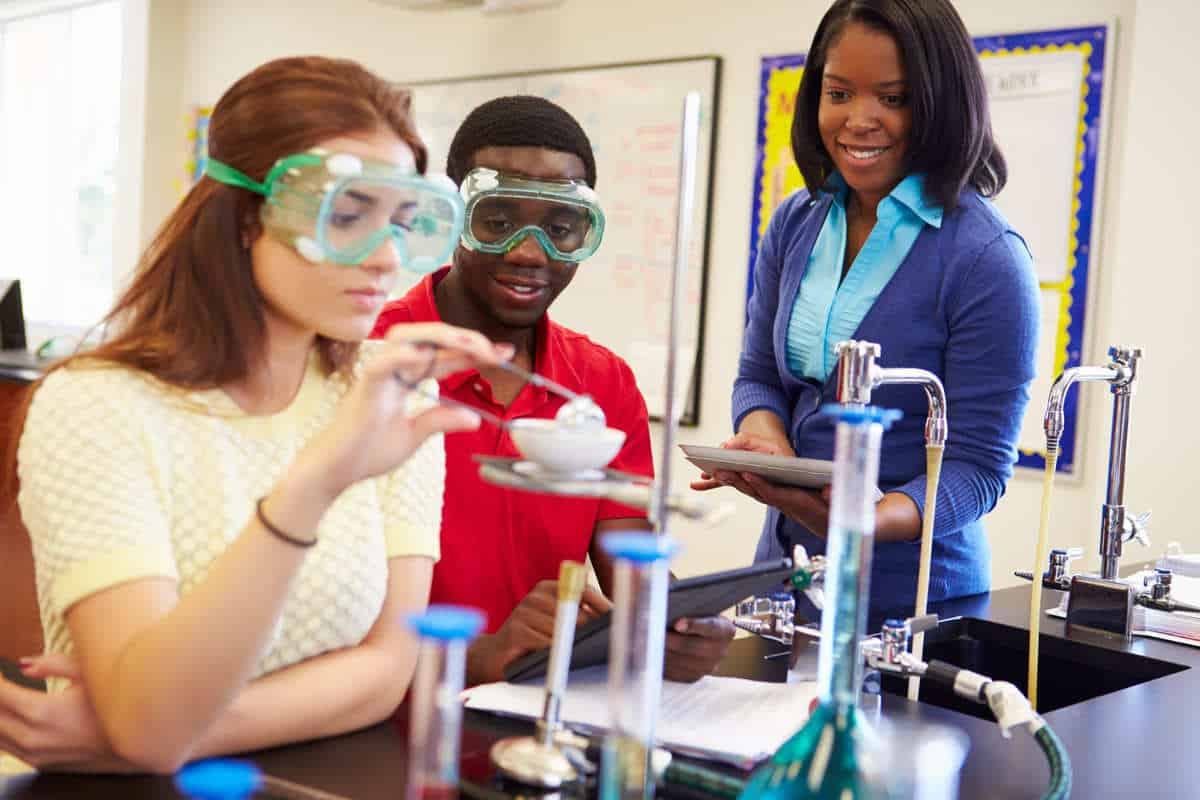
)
(223, 173)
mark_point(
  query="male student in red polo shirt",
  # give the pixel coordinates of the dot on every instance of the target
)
(501, 549)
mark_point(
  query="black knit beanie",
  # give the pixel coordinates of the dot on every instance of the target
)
(518, 121)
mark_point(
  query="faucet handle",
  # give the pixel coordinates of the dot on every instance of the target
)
(902, 629)
(1125, 358)
(891, 651)
(1136, 528)
(894, 636)
(862, 347)
(856, 370)
(922, 623)
(1058, 570)
(806, 570)
(1158, 583)
(1125, 353)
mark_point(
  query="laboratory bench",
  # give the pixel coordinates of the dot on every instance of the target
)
(1132, 742)
(1122, 709)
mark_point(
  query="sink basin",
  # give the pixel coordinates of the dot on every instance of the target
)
(1069, 671)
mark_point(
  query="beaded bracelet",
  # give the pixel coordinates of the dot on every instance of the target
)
(287, 537)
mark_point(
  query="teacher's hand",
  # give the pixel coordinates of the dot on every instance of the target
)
(808, 507)
(750, 442)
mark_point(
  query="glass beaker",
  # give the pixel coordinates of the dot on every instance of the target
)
(635, 661)
(915, 761)
(435, 710)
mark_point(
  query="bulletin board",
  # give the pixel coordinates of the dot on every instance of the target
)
(197, 143)
(632, 113)
(1047, 91)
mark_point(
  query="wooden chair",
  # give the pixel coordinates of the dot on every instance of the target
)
(20, 624)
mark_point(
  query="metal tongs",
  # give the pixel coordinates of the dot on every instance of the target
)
(580, 410)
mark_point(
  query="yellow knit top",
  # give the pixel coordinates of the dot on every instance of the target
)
(123, 477)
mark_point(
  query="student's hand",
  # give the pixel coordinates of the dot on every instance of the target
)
(528, 628)
(55, 732)
(695, 646)
(752, 442)
(372, 432)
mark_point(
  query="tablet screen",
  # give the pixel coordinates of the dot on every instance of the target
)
(699, 596)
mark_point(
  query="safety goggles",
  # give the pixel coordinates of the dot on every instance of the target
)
(339, 207)
(501, 210)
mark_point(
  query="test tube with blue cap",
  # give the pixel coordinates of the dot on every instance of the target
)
(635, 660)
(435, 711)
(219, 779)
(825, 757)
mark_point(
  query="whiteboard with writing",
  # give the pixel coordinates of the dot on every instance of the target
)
(632, 114)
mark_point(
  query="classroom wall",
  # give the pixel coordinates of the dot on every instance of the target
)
(212, 42)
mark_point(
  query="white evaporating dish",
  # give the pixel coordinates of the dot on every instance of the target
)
(565, 449)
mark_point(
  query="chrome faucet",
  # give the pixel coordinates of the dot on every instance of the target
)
(1121, 375)
(859, 375)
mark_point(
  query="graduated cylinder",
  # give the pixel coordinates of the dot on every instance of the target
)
(635, 661)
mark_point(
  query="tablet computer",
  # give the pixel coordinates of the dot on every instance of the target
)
(701, 596)
(808, 473)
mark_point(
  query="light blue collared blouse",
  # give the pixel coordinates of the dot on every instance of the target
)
(828, 309)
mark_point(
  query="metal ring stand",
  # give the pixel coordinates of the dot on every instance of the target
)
(626, 488)
(526, 759)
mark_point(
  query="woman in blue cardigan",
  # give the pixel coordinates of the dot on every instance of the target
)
(899, 246)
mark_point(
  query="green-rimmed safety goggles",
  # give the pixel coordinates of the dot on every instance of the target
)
(339, 207)
(564, 216)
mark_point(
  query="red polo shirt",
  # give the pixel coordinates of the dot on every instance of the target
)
(498, 543)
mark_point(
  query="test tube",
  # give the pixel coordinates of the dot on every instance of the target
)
(236, 779)
(635, 660)
(219, 779)
(435, 710)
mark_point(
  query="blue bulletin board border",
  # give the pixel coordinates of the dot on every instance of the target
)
(770, 65)
(1093, 42)
(197, 143)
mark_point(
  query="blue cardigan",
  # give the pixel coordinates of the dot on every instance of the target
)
(963, 305)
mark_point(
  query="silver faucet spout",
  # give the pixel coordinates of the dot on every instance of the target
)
(935, 393)
(1121, 376)
(859, 375)
(1054, 419)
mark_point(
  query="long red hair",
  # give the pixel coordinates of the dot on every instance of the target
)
(192, 315)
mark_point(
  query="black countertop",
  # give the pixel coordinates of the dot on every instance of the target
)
(1131, 743)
